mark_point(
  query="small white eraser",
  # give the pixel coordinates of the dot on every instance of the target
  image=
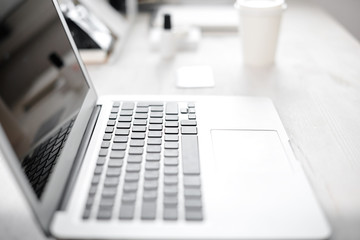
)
(195, 77)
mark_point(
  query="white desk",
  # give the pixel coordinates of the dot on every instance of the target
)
(315, 86)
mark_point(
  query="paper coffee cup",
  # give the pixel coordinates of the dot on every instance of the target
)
(259, 27)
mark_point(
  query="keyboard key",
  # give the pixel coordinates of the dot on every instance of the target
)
(192, 192)
(189, 130)
(192, 181)
(108, 192)
(142, 110)
(188, 123)
(107, 137)
(193, 203)
(171, 145)
(109, 129)
(141, 116)
(154, 134)
(115, 163)
(194, 215)
(171, 108)
(130, 186)
(138, 136)
(127, 211)
(152, 165)
(153, 157)
(86, 214)
(120, 139)
(156, 121)
(191, 105)
(192, 111)
(123, 125)
(148, 210)
(139, 129)
(131, 177)
(116, 104)
(153, 149)
(150, 175)
(171, 153)
(104, 214)
(171, 138)
(98, 170)
(107, 203)
(125, 119)
(128, 106)
(95, 180)
(111, 181)
(171, 161)
(171, 131)
(156, 114)
(140, 122)
(129, 197)
(133, 167)
(172, 118)
(171, 124)
(171, 170)
(170, 201)
(113, 172)
(155, 127)
(103, 152)
(126, 113)
(118, 146)
(190, 154)
(137, 143)
(105, 144)
(170, 190)
(117, 154)
(170, 180)
(149, 194)
(101, 161)
(122, 132)
(134, 159)
(157, 109)
(192, 117)
(154, 141)
(136, 150)
(150, 185)
(113, 116)
(111, 123)
(184, 110)
(170, 213)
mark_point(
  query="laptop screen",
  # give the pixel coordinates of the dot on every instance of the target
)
(42, 86)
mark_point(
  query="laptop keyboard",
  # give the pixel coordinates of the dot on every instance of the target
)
(148, 164)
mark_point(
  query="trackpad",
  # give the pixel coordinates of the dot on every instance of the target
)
(249, 151)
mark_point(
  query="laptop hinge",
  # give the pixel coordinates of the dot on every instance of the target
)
(79, 157)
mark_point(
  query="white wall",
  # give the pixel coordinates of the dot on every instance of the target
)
(347, 12)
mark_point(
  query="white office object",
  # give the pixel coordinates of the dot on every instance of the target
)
(260, 26)
(205, 17)
(236, 200)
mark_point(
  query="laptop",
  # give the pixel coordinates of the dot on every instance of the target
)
(140, 167)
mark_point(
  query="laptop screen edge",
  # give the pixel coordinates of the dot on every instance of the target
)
(45, 207)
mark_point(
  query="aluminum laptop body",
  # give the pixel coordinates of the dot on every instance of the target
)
(250, 183)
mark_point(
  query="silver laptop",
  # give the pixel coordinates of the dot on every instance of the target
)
(139, 167)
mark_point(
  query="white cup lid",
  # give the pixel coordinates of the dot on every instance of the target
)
(258, 6)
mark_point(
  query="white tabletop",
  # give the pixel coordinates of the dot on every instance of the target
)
(315, 86)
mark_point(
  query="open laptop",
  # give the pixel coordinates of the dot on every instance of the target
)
(139, 167)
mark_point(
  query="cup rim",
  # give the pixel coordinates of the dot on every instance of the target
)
(244, 6)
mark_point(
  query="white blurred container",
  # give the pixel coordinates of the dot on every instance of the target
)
(260, 25)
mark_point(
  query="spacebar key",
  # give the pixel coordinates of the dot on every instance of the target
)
(190, 154)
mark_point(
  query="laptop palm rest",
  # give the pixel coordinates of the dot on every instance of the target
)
(252, 151)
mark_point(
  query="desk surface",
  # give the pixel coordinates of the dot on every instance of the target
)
(315, 85)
